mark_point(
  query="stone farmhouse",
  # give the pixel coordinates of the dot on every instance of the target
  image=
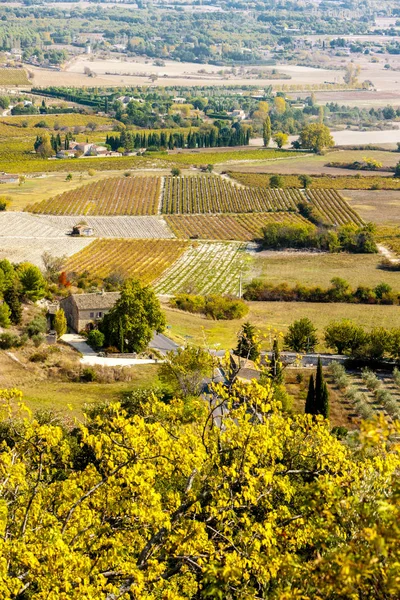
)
(85, 149)
(84, 311)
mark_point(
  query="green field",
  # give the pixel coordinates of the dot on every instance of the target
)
(275, 316)
(69, 398)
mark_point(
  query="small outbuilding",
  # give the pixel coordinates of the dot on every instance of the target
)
(9, 178)
(82, 229)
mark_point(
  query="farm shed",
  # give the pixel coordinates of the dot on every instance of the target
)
(82, 229)
(6, 178)
(83, 311)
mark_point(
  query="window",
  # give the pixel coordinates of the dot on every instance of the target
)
(92, 315)
(99, 315)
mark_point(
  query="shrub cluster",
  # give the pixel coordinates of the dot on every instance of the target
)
(348, 238)
(340, 291)
(216, 307)
(346, 337)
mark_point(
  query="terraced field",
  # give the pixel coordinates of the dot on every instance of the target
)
(245, 227)
(144, 259)
(115, 196)
(206, 268)
(205, 194)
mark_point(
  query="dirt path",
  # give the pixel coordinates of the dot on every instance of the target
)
(387, 253)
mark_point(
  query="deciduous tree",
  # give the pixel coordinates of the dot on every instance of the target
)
(130, 324)
(301, 336)
(316, 137)
(241, 504)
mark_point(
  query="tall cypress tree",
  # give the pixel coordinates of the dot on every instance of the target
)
(319, 386)
(325, 402)
(310, 400)
(321, 393)
(267, 131)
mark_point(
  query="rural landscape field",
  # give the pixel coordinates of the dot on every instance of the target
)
(199, 300)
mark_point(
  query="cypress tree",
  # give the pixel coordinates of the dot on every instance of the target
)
(321, 393)
(267, 131)
(319, 387)
(325, 402)
(310, 400)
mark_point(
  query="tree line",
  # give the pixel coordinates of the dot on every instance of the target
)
(345, 337)
(339, 291)
(347, 238)
(212, 137)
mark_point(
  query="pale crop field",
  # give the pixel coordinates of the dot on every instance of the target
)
(31, 249)
(206, 268)
(116, 227)
(24, 225)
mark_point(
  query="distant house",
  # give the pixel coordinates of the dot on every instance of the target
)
(83, 149)
(82, 229)
(238, 114)
(83, 311)
(66, 153)
(8, 178)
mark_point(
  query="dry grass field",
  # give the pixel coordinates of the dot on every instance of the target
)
(380, 207)
(312, 164)
(319, 269)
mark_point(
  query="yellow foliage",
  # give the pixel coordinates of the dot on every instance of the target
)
(237, 501)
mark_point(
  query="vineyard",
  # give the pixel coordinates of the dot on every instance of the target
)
(249, 208)
(332, 207)
(13, 77)
(334, 182)
(206, 268)
(243, 227)
(144, 259)
(116, 196)
(213, 194)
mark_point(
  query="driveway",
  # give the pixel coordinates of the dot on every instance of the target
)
(90, 357)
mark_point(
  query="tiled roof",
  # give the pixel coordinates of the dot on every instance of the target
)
(95, 301)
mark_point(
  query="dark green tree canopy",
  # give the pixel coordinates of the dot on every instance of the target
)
(130, 324)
